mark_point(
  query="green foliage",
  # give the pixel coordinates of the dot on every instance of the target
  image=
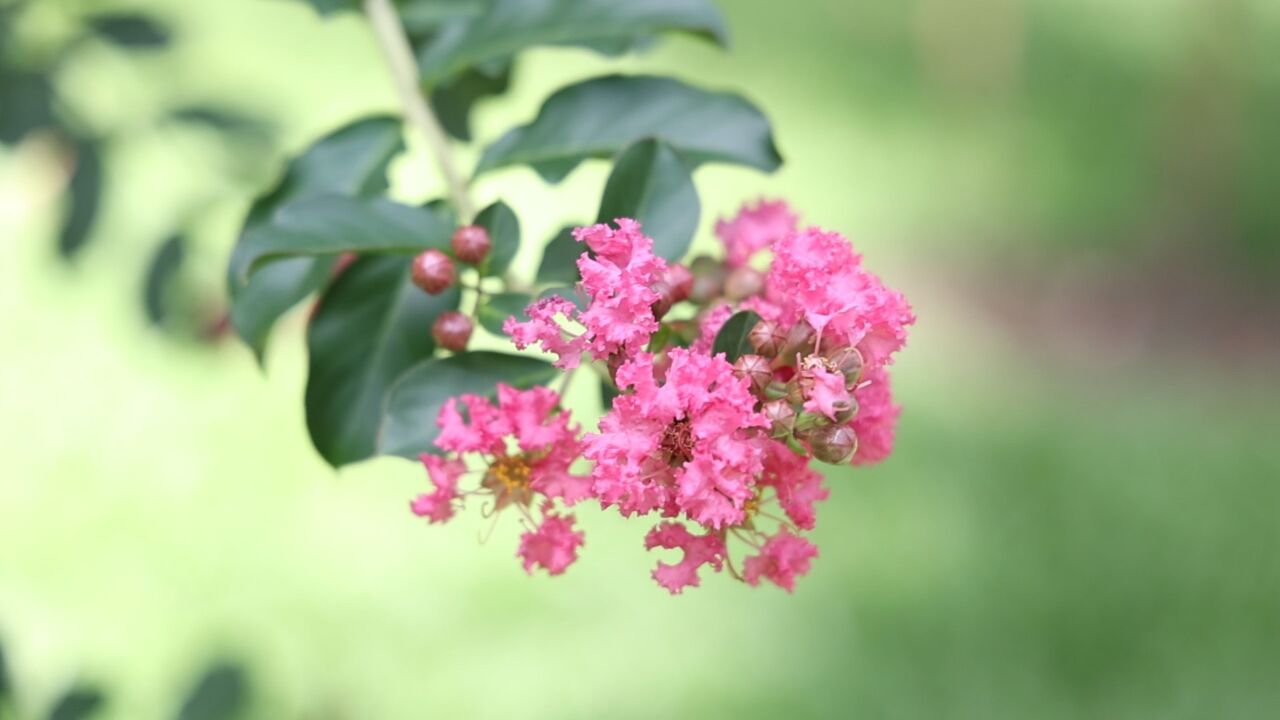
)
(504, 233)
(6, 686)
(130, 30)
(27, 101)
(160, 279)
(508, 26)
(220, 694)
(409, 425)
(650, 183)
(599, 117)
(733, 339)
(371, 325)
(559, 258)
(494, 310)
(77, 703)
(351, 161)
(332, 224)
(453, 99)
(86, 194)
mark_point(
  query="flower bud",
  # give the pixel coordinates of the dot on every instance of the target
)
(433, 272)
(666, 298)
(782, 417)
(681, 281)
(799, 337)
(708, 279)
(471, 243)
(743, 283)
(452, 330)
(756, 370)
(767, 338)
(848, 361)
(833, 444)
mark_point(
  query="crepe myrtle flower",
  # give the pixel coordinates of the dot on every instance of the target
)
(516, 453)
(622, 281)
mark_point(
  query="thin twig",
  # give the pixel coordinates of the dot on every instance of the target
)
(404, 71)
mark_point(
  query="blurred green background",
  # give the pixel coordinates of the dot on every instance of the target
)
(1081, 198)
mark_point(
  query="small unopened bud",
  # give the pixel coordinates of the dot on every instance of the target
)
(767, 338)
(471, 243)
(756, 370)
(706, 265)
(799, 338)
(848, 361)
(680, 279)
(833, 444)
(708, 279)
(666, 298)
(433, 272)
(846, 410)
(782, 417)
(452, 330)
(743, 283)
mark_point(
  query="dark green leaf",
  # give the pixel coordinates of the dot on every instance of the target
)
(421, 17)
(6, 687)
(220, 694)
(77, 703)
(26, 99)
(130, 30)
(599, 117)
(607, 393)
(613, 47)
(508, 26)
(349, 161)
(495, 309)
(86, 193)
(325, 225)
(372, 325)
(560, 258)
(733, 339)
(454, 99)
(329, 7)
(651, 184)
(409, 425)
(161, 275)
(221, 119)
(504, 233)
(567, 293)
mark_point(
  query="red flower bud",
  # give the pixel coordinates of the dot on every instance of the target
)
(782, 417)
(666, 298)
(471, 243)
(452, 330)
(756, 370)
(708, 279)
(767, 338)
(433, 272)
(833, 444)
(742, 283)
(681, 281)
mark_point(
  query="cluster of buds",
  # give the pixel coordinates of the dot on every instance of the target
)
(720, 451)
(434, 271)
(808, 396)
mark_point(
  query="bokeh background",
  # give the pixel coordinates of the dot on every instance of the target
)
(1081, 198)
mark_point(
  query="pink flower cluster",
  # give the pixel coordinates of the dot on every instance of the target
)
(519, 453)
(719, 450)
